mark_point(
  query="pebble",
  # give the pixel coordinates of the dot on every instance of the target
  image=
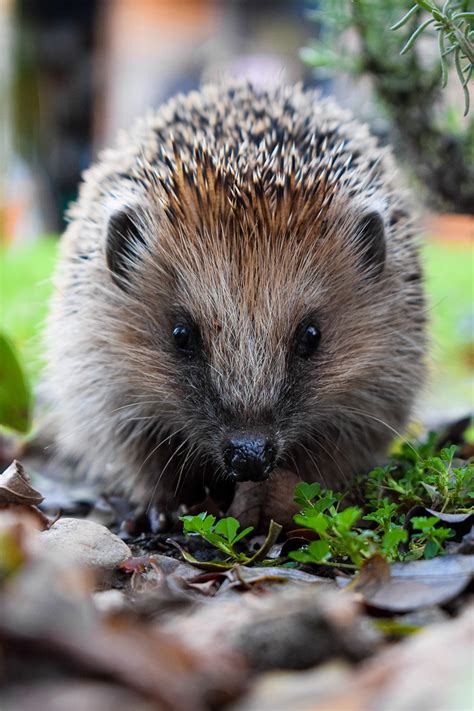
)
(87, 544)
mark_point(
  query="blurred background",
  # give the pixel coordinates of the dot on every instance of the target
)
(72, 74)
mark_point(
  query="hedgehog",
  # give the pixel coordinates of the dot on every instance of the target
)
(239, 293)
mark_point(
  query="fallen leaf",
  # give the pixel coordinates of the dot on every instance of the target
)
(374, 572)
(73, 695)
(256, 503)
(419, 583)
(283, 690)
(465, 547)
(205, 587)
(274, 531)
(452, 517)
(47, 616)
(257, 576)
(418, 673)
(15, 486)
(149, 662)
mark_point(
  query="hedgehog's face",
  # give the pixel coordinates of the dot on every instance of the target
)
(245, 371)
(255, 341)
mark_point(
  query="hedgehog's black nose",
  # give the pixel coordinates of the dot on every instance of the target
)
(249, 458)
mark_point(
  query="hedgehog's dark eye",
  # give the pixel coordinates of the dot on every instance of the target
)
(186, 339)
(307, 341)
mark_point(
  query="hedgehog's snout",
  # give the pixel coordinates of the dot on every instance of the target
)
(249, 457)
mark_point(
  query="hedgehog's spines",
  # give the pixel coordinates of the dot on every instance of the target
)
(249, 201)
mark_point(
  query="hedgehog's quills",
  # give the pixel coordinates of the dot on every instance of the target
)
(239, 289)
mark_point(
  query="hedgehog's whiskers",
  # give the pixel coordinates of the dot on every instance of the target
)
(162, 473)
(385, 424)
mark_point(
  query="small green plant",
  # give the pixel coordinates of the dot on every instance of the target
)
(339, 540)
(342, 542)
(431, 536)
(422, 476)
(223, 535)
(417, 476)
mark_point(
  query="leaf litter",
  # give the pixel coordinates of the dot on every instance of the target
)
(185, 624)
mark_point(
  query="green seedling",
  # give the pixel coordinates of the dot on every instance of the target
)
(223, 535)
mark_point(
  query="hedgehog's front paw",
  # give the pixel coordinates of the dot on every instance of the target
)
(150, 520)
(256, 503)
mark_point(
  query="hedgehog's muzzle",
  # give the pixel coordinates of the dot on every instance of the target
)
(249, 457)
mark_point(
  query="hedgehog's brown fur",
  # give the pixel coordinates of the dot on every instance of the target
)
(249, 203)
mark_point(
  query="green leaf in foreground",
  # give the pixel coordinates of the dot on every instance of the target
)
(15, 395)
(224, 535)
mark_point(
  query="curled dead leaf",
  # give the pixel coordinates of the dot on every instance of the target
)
(452, 517)
(416, 584)
(15, 487)
(374, 572)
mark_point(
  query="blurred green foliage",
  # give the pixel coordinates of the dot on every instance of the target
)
(450, 279)
(354, 37)
(454, 23)
(25, 287)
(15, 393)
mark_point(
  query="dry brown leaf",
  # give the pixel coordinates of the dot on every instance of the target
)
(18, 497)
(255, 503)
(57, 695)
(303, 627)
(374, 573)
(452, 517)
(416, 584)
(15, 487)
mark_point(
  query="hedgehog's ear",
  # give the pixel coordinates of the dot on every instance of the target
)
(370, 239)
(124, 233)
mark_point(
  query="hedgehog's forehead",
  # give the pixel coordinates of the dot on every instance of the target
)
(245, 275)
(240, 249)
(247, 239)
